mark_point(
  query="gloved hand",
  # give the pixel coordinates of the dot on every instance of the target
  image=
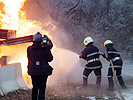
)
(80, 57)
(103, 55)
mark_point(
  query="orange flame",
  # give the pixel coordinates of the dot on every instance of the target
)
(11, 13)
(12, 17)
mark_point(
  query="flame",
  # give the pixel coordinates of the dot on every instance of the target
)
(11, 13)
(12, 17)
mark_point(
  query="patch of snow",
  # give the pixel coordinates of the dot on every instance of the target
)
(127, 94)
(127, 72)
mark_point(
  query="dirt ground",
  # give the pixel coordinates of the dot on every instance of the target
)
(71, 91)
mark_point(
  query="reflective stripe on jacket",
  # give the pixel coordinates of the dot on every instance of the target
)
(113, 54)
(91, 55)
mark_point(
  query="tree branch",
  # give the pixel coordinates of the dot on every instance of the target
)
(70, 10)
(80, 12)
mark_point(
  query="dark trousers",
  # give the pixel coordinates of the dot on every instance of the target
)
(39, 85)
(87, 72)
(118, 75)
(118, 71)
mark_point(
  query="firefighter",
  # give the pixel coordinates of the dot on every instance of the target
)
(112, 54)
(91, 55)
(38, 67)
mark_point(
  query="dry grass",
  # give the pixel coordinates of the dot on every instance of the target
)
(69, 91)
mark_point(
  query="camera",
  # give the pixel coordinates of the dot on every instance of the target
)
(46, 42)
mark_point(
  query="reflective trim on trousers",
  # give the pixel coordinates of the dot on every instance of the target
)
(116, 76)
(93, 67)
(110, 76)
(85, 76)
(119, 76)
(115, 66)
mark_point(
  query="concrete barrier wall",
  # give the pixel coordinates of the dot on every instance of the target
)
(11, 78)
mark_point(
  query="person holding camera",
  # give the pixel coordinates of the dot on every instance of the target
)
(38, 66)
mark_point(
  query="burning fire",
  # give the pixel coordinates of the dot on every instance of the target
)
(11, 13)
(12, 17)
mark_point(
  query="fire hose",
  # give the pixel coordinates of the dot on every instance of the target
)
(1, 90)
(115, 81)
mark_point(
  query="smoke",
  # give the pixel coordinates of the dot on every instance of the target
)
(66, 64)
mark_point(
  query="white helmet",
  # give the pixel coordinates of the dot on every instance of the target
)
(108, 42)
(88, 40)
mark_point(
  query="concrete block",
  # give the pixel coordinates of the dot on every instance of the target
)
(11, 78)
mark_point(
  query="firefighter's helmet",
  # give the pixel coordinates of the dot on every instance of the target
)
(37, 37)
(108, 42)
(88, 40)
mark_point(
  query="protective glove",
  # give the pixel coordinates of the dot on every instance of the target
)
(80, 57)
(104, 55)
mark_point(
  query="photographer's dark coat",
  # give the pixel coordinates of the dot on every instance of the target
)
(38, 59)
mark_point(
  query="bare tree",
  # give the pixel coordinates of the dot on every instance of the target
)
(108, 3)
(58, 7)
(70, 10)
(80, 15)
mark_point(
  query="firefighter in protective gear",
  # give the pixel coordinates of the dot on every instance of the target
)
(91, 55)
(38, 66)
(112, 54)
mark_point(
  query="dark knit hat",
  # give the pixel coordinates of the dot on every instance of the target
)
(37, 37)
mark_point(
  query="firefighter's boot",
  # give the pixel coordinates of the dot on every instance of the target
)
(111, 83)
(84, 82)
(98, 81)
(120, 79)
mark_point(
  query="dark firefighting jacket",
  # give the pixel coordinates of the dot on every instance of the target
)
(113, 55)
(91, 55)
(38, 59)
